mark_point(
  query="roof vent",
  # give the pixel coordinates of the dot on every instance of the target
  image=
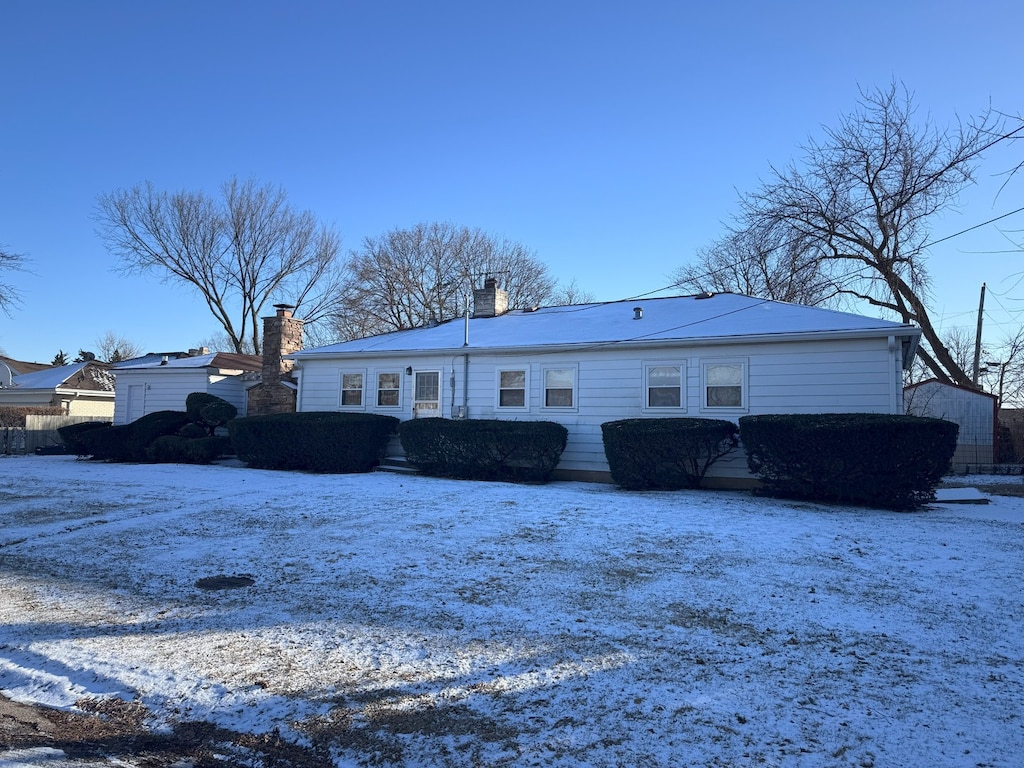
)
(638, 313)
(705, 295)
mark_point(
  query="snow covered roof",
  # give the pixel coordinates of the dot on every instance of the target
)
(718, 317)
(48, 378)
(220, 360)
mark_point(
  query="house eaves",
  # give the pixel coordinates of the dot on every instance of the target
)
(675, 321)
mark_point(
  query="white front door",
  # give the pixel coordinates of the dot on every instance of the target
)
(426, 395)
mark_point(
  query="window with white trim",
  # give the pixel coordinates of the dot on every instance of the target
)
(352, 389)
(512, 388)
(724, 384)
(663, 386)
(560, 387)
(389, 385)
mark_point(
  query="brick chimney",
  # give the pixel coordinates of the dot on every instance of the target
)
(489, 301)
(282, 335)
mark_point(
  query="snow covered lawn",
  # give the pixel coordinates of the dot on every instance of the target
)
(412, 621)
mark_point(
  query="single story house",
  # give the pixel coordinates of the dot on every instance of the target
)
(975, 411)
(709, 356)
(79, 389)
(164, 383)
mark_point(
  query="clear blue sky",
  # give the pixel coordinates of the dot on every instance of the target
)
(610, 138)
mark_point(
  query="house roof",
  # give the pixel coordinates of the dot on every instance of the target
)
(695, 319)
(60, 376)
(933, 382)
(220, 360)
(19, 367)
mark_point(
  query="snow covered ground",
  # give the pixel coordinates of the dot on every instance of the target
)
(413, 621)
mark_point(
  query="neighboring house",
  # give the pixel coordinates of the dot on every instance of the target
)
(79, 389)
(10, 368)
(710, 356)
(973, 410)
(163, 383)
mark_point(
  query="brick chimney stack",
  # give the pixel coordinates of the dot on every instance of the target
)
(282, 335)
(489, 301)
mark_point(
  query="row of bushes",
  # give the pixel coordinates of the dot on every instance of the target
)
(878, 460)
(873, 459)
(185, 437)
(894, 462)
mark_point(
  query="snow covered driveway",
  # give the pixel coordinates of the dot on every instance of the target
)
(412, 621)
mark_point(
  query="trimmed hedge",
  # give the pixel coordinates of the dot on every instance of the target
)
(179, 449)
(209, 411)
(312, 441)
(666, 454)
(184, 437)
(484, 449)
(878, 460)
(70, 435)
(129, 442)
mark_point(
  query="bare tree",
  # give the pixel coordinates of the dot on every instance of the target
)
(12, 262)
(114, 348)
(408, 278)
(769, 263)
(861, 203)
(1003, 374)
(564, 295)
(239, 251)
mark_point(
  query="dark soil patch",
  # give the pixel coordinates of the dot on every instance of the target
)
(111, 729)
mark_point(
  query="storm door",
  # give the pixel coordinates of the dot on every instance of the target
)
(426, 396)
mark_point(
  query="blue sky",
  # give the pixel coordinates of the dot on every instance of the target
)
(610, 138)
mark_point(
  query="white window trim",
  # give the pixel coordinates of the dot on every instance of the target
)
(744, 405)
(341, 389)
(401, 388)
(526, 389)
(575, 388)
(645, 393)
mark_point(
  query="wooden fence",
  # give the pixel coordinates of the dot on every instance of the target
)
(38, 432)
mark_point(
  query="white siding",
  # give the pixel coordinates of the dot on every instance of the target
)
(167, 390)
(810, 377)
(972, 411)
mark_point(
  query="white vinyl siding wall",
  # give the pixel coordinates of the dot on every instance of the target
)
(168, 390)
(784, 377)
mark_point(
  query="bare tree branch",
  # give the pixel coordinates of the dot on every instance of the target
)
(239, 252)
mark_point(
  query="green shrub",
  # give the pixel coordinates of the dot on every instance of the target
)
(70, 435)
(209, 411)
(665, 453)
(484, 449)
(107, 443)
(312, 441)
(879, 460)
(187, 450)
(193, 431)
(143, 431)
(129, 442)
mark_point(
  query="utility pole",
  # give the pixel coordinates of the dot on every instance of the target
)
(977, 338)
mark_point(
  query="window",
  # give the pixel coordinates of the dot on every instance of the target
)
(388, 389)
(724, 384)
(559, 387)
(351, 390)
(512, 389)
(664, 385)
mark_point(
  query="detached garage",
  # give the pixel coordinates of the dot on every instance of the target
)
(973, 410)
(164, 385)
